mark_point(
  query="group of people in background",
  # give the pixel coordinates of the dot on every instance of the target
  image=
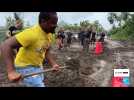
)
(87, 37)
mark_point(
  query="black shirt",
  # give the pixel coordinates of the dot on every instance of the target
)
(61, 34)
(69, 34)
(103, 34)
(88, 34)
(93, 35)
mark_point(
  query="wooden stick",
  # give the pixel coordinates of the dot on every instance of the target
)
(36, 73)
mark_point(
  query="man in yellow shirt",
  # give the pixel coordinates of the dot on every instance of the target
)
(34, 46)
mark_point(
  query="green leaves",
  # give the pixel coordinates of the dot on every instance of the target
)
(126, 30)
(85, 24)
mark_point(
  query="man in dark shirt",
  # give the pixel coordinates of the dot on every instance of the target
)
(69, 38)
(93, 39)
(81, 37)
(102, 36)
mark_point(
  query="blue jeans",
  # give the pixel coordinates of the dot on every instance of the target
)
(32, 81)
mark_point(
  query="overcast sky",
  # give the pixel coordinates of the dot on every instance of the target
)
(69, 17)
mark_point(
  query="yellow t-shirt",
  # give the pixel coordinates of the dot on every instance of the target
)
(34, 43)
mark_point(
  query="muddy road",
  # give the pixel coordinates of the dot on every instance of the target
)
(89, 70)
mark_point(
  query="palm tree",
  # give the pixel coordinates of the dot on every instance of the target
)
(112, 18)
(85, 23)
(19, 16)
(125, 15)
(16, 16)
(9, 21)
(98, 26)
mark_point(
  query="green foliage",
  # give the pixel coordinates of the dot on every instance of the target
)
(9, 21)
(83, 24)
(125, 31)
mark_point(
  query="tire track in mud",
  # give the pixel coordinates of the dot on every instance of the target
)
(126, 52)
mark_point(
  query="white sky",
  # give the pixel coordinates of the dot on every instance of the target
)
(69, 17)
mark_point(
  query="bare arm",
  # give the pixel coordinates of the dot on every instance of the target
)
(7, 53)
(50, 57)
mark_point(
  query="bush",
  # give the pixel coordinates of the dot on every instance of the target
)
(126, 32)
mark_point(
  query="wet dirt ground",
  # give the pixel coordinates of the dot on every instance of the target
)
(84, 69)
